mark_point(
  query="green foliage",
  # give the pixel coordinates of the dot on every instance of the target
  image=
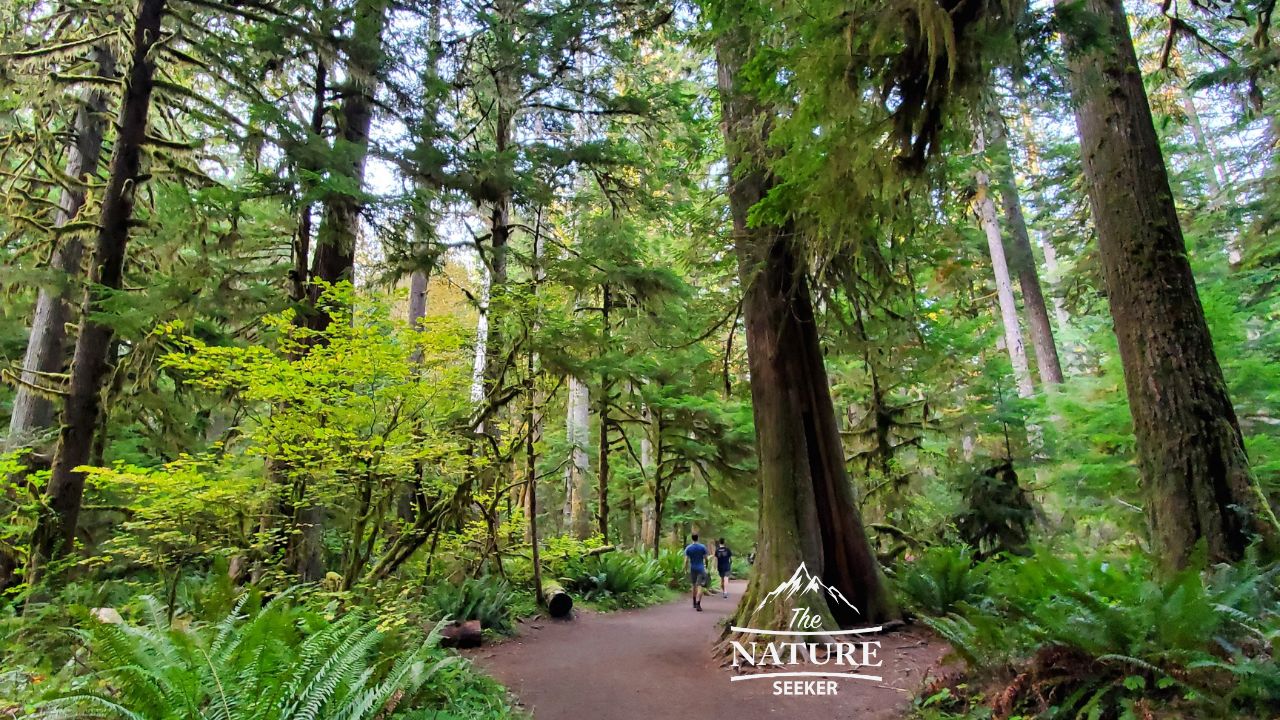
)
(1097, 638)
(186, 511)
(997, 514)
(940, 579)
(671, 564)
(614, 579)
(488, 599)
(278, 661)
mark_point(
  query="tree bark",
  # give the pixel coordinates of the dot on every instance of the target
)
(417, 298)
(531, 471)
(54, 534)
(577, 474)
(1190, 452)
(648, 516)
(602, 474)
(533, 422)
(986, 208)
(808, 513)
(1022, 260)
(340, 226)
(1050, 253)
(46, 344)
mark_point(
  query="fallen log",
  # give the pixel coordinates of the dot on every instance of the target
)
(559, 602)
(461, 634)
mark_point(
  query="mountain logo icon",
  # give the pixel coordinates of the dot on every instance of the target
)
(801, 582)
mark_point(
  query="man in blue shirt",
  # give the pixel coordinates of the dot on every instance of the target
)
(695, 558)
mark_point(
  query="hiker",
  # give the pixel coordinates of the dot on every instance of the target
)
(695, 558)
(724, 563)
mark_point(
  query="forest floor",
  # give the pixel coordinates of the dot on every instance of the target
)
(657, 662)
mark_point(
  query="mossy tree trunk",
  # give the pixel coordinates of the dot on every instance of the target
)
(807, 508)
(1190, 453)
(33, 412)
(56, 525)
(602, 409)
(339, 231)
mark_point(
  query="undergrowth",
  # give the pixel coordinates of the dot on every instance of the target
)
(1087, 638)
(615, 579)
(297, 656)
(488, 599)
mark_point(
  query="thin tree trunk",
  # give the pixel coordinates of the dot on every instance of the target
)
(808, 512)
(1218, 178)
(577, 474)
(531, 491)
(1190, 452)
(533, 423)
(648, 515)
(481, 360)
(986, 209)
(46, 345)
(56, 525)
(1021, 259)
(602, 474)
(1050, 252)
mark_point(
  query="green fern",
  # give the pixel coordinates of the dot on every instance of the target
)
(487, 599)
(277, 662)
(616, 579)
(943, 577)
(1099, 636)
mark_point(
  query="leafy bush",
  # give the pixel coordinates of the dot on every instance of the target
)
(457, 692)
(671, 565)
(940, 579)
(488, 599)
(279, 662)
(614, 579)
(1090, 638)
(997, 514)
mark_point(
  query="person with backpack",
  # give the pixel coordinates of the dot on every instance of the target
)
(724, 565)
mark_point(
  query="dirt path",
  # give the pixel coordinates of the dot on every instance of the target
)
(656, 663)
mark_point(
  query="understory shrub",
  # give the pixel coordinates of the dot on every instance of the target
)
(1089, 638)
(277, 662)
(940, 579)
(671, 564)
(489, 599)
(614, 579)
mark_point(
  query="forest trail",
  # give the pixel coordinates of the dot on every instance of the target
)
(656, 662)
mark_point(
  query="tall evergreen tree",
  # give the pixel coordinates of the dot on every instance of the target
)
(1190, 452)
(807, 510)
(55, 532)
